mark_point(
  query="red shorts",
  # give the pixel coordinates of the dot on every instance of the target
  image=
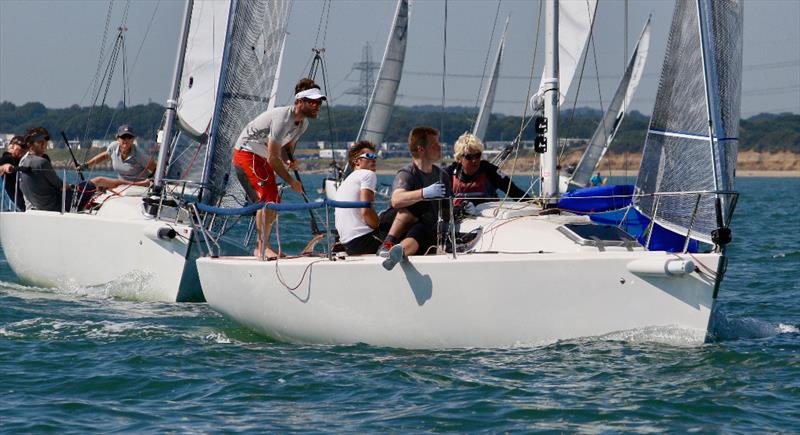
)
(259, 173)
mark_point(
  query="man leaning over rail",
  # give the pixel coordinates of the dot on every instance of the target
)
(263, 149)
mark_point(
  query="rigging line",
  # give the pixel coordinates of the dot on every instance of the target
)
(331, 123)
(319, 25)
(327, 19)
(125, 85)
(109, 66)
(146, 33)
(488, 52)
(439, 217)
(444, 69)
(101, 56)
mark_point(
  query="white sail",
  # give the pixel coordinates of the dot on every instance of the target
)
(201, 65)
(250, 62)
(485, 112)
(379, 110)
(575, 20)
(605, 132)
(692, 139)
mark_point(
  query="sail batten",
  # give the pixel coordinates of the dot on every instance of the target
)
(379, 109)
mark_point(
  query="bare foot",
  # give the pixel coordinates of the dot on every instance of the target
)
(269, 254)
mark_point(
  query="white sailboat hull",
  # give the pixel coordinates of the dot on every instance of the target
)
(476, 300)
(116, 249)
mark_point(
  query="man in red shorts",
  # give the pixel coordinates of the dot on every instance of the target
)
(262, 150)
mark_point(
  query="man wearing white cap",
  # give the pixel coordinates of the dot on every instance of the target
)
(263, 148)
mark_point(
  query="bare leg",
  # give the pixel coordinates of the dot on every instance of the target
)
(410, 246)
(402, 221)
(264, 220)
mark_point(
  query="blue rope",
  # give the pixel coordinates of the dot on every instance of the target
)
(252, 208)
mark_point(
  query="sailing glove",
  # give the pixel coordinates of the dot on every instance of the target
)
(469, 208)
(435, 190)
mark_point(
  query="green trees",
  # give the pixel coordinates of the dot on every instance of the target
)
(764, 132)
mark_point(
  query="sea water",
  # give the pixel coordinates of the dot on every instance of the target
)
(77, 360)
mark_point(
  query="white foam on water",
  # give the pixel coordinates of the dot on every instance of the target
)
(133, 286)
(787, 329)
(57, 328)
(672, 335)
(219, 338)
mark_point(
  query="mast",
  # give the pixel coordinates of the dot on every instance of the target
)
(551, 94)
(172, 103)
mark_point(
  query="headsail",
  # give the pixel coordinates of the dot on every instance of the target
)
(201, 66)
(605, 132)
(482, 122)
(379, 110)
(681, 153)
(254, 36)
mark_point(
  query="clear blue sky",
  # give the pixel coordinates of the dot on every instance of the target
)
(49, 50)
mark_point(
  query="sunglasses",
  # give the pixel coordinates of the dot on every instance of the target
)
(313, 102)
(476, 156)
(368, 156)
(126, 136)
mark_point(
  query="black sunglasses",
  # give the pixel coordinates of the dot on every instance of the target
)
(475, 156)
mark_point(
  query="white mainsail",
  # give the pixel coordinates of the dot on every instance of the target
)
(575, 19)
(379, 110)
(691, 142)
(485, 112)
(605, 132)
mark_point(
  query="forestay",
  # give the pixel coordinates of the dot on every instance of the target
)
(605, 132)
(485, 112)
(692, 140)
(379, 110)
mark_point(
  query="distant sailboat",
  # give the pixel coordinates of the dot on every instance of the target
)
(381, 103)
(609, 124)
(487, 102)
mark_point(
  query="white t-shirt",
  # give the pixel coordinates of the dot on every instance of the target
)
(349, 221)
(276, 124)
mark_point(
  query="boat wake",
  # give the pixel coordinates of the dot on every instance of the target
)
(723, 327)
(133, 286)
(671, 335)
(61, 329)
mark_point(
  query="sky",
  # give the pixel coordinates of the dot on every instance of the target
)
(49, 50)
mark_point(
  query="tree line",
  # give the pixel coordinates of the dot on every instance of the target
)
(764, 132)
